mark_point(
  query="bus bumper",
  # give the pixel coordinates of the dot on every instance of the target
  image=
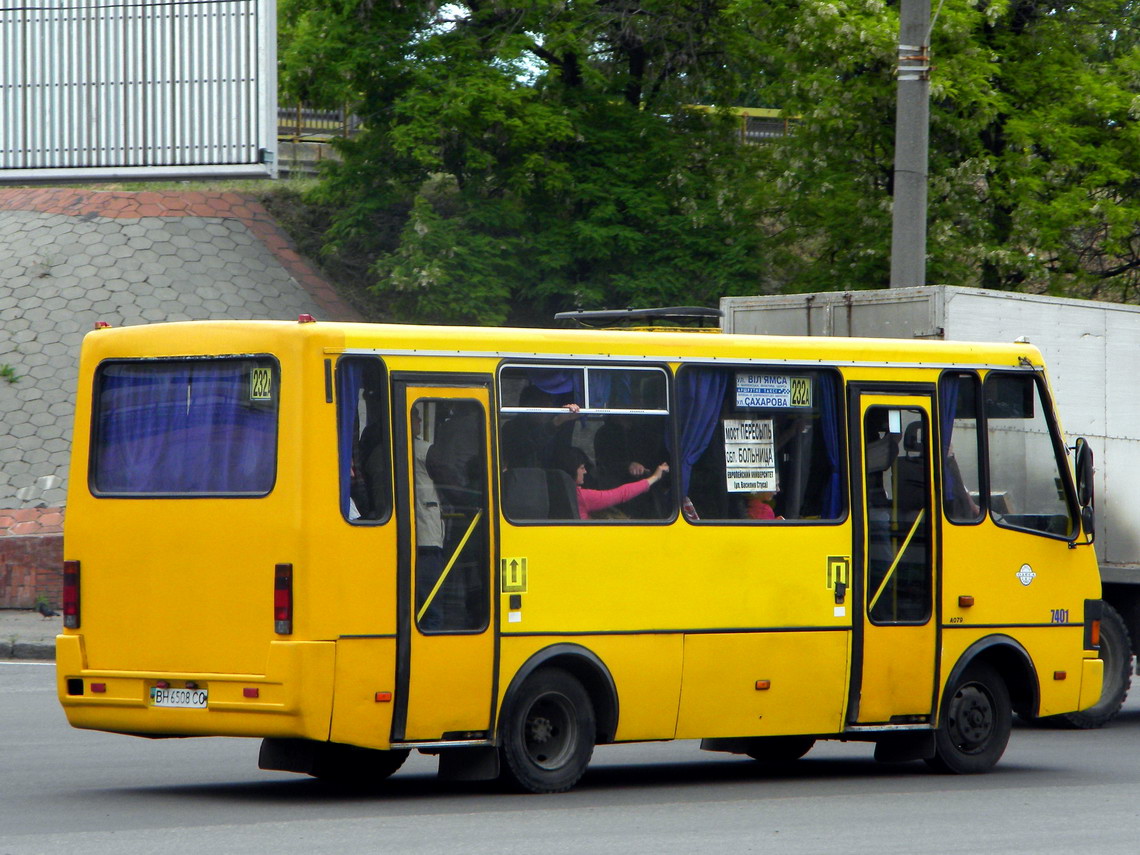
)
(1092, 682)
(293, 698)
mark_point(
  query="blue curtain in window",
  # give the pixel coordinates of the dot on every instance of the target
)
(183, 428)
(349, 382)
(832, 505)
(948, 407)
(601, 387)
(700, 395)
(557, 382)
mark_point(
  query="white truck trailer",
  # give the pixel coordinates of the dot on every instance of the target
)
(1092, 351)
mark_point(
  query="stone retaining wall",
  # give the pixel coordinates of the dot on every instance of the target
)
(69, 258)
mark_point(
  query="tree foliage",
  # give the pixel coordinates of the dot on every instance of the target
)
(544, 152)
(526, 156)
(1033, 143)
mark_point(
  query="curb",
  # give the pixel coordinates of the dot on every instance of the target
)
(42, 651)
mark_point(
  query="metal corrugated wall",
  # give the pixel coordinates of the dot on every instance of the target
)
(100, 83)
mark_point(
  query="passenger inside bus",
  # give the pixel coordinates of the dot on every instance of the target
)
(620, 445)
(529, 439)
(429, 525)
(573, 461)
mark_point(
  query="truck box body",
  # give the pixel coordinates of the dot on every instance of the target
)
(1090, 348)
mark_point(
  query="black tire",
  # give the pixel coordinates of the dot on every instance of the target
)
(779, 750)
(349, 766)
(1116, 653)
(976, 722)
(547, 733)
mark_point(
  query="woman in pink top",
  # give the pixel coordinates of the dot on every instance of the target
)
(573, 461)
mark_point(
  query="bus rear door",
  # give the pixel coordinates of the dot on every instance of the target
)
(446, 637)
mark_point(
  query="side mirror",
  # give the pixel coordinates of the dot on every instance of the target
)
(1084, 470)
(1083, 465)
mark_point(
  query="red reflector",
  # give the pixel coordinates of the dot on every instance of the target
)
(71, 594)
(763, 685)
(102, 325)
(306, 319)
(162, 684)
(383, 697)
(98, 688)
(1059, 675)
(251, 692)
(1094, 634)
(283, 599)
(965, 601)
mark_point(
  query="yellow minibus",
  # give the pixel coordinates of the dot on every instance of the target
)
(507, 546)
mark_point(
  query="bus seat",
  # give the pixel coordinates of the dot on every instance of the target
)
(911, 473)
(525, 494)
(881, 453)
(562, 496)
(912, 439)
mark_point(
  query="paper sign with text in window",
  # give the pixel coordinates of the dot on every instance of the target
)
(749, 455)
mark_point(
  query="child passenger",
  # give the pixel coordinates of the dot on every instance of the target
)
(760, 506)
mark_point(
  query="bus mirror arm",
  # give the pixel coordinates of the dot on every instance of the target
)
(1088, 524)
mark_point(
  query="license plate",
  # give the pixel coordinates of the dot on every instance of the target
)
(185, 698)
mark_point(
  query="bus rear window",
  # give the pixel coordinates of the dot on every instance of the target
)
(185, 427)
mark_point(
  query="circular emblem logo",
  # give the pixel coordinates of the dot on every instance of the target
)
(1026, 575)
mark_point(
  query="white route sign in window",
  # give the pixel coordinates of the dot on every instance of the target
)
(777, 391)
(749, 455)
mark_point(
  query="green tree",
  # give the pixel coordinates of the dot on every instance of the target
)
(542, 154)
(1033, 144)
(525, 157)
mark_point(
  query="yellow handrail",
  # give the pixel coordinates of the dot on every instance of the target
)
(895, 563)
(450, 563)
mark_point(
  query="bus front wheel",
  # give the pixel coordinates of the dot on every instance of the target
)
(976, 722)
(548, 731)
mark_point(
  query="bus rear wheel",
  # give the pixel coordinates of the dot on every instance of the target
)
(976, 722)
(548, 733)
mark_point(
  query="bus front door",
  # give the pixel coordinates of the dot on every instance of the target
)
(895, 654)
(445, 637)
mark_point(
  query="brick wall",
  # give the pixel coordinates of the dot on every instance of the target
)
(31, 557)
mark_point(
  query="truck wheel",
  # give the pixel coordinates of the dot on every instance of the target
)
(976, 721)
(547, 733)
(1116, 653)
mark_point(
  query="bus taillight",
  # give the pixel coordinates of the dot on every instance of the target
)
(283, 599)
(71, 594)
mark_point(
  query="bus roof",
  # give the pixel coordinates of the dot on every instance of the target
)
(187, 338)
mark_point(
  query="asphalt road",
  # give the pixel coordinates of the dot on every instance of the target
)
(63, 790)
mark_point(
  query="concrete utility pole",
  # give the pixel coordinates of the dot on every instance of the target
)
(912, 140)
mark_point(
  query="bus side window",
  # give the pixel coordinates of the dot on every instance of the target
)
(958, 398)
(364, 449)
(767, 444)
(612, 419)
(1027, 489)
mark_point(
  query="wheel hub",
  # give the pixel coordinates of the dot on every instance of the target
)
(541, 729)
(972, 718)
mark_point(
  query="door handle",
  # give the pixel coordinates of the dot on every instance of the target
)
(840, 592)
